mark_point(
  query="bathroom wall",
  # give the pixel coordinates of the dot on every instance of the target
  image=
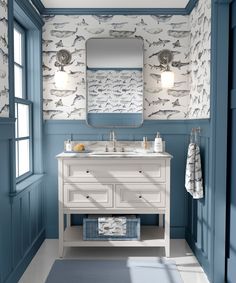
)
(158, 33)
(4, 92)
(188, 37)
(200, 58)
(22, 227)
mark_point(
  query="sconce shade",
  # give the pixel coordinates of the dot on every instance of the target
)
(61, 78)
(167, 79)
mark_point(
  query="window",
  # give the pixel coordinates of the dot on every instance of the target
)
(23, 107)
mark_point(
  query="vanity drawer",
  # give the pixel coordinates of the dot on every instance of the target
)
(88, 195)
(140, 195)
(121, 170)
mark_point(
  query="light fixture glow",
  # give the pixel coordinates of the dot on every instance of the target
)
(167, 79)
(61, 78)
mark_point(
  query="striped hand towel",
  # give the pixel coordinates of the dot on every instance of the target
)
(193, 174)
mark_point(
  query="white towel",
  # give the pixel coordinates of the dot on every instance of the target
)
(193, 175)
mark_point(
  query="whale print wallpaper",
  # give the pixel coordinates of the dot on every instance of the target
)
(4, 90)
(200, 50)
(158, 32)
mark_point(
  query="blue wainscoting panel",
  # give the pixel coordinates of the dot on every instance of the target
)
(176, 135)
(21, 214)
(27, 226)
(5, 212)
(199, 223)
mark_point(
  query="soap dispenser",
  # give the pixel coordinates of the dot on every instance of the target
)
(158, 143)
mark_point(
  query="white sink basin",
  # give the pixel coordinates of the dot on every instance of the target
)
(117, 153)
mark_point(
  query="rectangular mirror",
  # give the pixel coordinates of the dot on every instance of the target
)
(114, 82)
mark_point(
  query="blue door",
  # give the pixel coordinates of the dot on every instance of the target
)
(231, 215)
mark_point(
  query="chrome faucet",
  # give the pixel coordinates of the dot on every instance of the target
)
(113, 139)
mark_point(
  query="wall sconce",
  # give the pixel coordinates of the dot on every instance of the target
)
(61, 77)
(167, 76)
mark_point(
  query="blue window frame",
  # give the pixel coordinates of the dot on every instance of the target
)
(23, 107)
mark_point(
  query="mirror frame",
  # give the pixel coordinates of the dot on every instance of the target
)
(114, 126)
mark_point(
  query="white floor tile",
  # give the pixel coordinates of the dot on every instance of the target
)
(41, 264)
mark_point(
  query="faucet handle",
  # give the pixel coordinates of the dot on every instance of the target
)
(111, 135)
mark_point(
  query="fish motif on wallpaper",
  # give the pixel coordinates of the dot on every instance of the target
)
(3, 4)
(200, 40)
(160, 42)
(4, 88)
(3, 74)
(162, 18)
(103, 18)
(3, 56)
(62, 33)
(164, 113)
(153, 30)
(158, 32)
(62, 93)
(118, 25)
(122, 33)
(95, 30)
(4, 109)
(178, 33)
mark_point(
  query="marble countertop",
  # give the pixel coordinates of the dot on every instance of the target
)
(113, 155)
(96, 149)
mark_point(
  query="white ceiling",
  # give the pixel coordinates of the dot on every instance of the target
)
(115, 4)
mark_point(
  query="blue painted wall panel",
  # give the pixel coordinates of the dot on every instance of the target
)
(21, 216)
(5, 212)
(25, 221)
(17, 232)
(176, 135)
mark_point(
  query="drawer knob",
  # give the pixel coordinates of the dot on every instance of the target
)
(87, 171)
(87, 196)
(140, 196)
(140, 171)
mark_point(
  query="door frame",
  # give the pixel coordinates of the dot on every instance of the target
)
(219, 131)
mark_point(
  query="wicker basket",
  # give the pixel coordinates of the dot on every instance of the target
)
(90, 230)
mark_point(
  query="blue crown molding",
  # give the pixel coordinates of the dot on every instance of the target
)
(190, 6)
(27, 9)
(114, 11)
(39, 6)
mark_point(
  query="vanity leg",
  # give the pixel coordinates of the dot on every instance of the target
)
(161, 220)
(68, 220)
(60, 209)
(61, 233)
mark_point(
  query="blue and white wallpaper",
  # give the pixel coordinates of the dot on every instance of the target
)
(4, 89)
(200, 50)
(158, 32)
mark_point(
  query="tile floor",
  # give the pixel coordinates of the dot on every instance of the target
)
(190, 270)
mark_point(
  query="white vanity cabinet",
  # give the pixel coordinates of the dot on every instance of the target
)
(114, 185)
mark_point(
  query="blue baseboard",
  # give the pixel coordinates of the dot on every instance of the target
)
(21, 267)
(200, 255)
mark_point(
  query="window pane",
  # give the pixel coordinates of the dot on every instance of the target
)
(24, 164)
(16, 116)
(17, 47)
(17, 169)
(23, 120)
(18, 82)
